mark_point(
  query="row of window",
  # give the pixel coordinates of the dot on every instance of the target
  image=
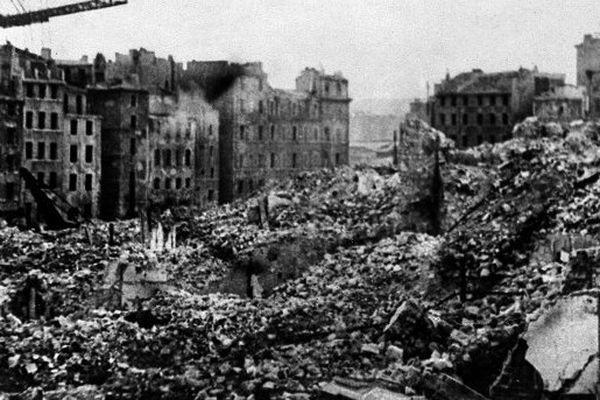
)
(42, 91)
(294, 161)
(492, 119)
(52, 182)
(53, 153)
(473, 100)
(155, 125)
(296, 134)
(166, 157)
(168, 183)
(41, 123)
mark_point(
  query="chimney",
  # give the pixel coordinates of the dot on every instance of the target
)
(84, 59)
(46, 53)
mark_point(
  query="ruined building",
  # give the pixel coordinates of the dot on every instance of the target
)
(561, 104)
(588, 71)
(160, 143)
(49, 132)
(474, 107)
(267, 133)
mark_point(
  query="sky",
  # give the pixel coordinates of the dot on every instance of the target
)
(386, 48)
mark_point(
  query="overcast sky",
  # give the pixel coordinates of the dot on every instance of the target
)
(386, 48)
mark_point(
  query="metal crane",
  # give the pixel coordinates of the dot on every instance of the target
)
(44, 15)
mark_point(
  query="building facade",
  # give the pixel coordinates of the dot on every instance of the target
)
(476, 107)
(268, 133)
(588, 71)
(41, 97)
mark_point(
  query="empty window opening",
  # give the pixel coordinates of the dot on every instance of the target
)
(89, 128)
(156, 157)
(188, 157)
(133, 122)
(73, 127)
(89, 153)
(66, 103)
(52, 181)
(40, 178)
(41, 151)
(73, 153)
(54, 92)
(79, 104)
(42, 120)
(178, 183)
(73, 182)
(53, 151)
(133, 100)
(29, 119)
(42, 93)
(54, 121)
(28, 150)
(88, 182)
(156, 183)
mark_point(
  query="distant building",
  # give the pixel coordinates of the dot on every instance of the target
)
(268, 133)
(588, 71)
(476, 107)
(419, 109)
(51, 133)
(561, 104)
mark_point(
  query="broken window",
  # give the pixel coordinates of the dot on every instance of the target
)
(52, 181)
(73, 153)
(41, 150)
(28, 150)
(156, 183)
(73, 127)
(29, 119)
(29, 90)
(41, 120)
(54, 121)
(89, 128)
(53, 151)
(88, 182)
(188, 157)
(133, 122)
(79, 104)
(40, 178)
(72, 182)
(89, 153)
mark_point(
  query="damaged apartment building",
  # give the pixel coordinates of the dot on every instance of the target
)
(50, 137)
(159, 143)
(268, 133)
(476, 107)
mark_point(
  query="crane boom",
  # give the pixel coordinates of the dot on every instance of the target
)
(44, 15)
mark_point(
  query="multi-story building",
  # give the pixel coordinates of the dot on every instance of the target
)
(11, 145)
(267, 133)
(474, 107)
(44, 136)
(588, 71)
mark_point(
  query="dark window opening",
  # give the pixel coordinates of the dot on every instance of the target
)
(42, 120)
(29, 119)
(167, 158)
(156, 183)
(87, 210)
(12, 109)
(133, 100)
(29, 90)
(188, 157)
(505, 119)
(212, 172)
(240, 187)
(40, 178)
(156, 157)
(479, 100)
(42, 94)
(294, 160)
(132, 147)
(272, 132)
(10, 190)
(66, 103)
(53, 151)
(178, 157)
(73, 153)
(133, 122)
(211, 195)
(88, 182)
(294, 133)
(11, 134)
(28, 150)
(167, 183)
(272, 160)
(89, 153)
(73, 182)
(178, 183)
(188, 183)
(465, 119)
(41, 151)
(54, 121)
(442, 119)
(79, 104)
(54, 92)
(465, 141)
(89, 127)
(260, 132)
(260, 107)
(242, 130)
(73, 127)
(479, 119)
(337, 158)
(453, 101)
(492, 119)
(453, 119)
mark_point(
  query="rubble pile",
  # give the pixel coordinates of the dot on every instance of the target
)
(384, 301)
